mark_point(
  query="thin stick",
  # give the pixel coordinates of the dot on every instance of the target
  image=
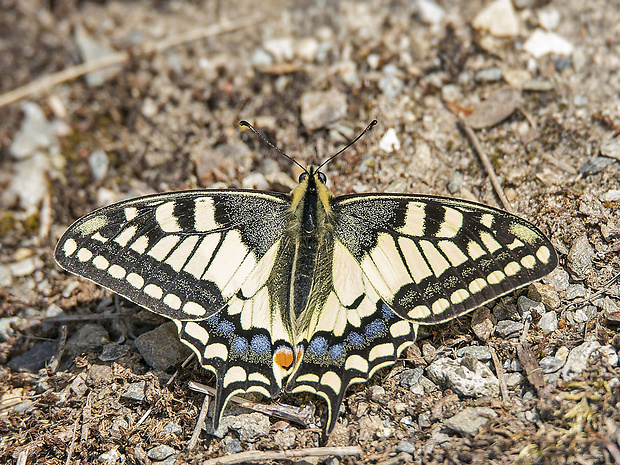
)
(74, 72)
(262, 456)
(60, 350)
(200, 423)
(487, 166)
(500, 374)
(73, 441)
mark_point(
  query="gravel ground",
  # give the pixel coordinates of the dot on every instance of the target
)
(537, 80)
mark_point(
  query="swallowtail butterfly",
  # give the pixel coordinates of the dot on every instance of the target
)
(303, 292)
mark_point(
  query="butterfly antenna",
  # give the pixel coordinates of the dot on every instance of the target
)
(372, 124)
(245, 124)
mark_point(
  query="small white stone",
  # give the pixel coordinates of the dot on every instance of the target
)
(543, 43)
(499, 19)
(549, 19)
(389, 142)
(430, 12)
(280, 48)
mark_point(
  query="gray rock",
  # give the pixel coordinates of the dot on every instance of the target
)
(462, 380)
(548, 323)
(377, 393)
(33, 359)
(574, 291)
(405, 446)
(542, 43)
(89, 336)
(172, 428)
(527, 305)
(111, 457)
(558, 279)
(232, 445)
(508, 328)
(577, 360)
(429, 12)
(550, 364)
(320, 109)
(607, 354)
(580, 257)
(249, 426)
(161, 452)
(135, 391)
(611, 148)
(470, 420)
(285, 439)
(595, 165)
(514, 380)
(482, 353)
(411, 377)
(161, 347)
(113, 351)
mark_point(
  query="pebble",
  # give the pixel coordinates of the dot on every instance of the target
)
(549, 19)
(580, 100)
(306, 48)
(470, 420)
(574, 291)
(161, 348)
(482, 353)
(172, 428)
(548, 323)
(542, 43)
(377, 393)
(88, 336)
(538, 85)
(319, 109)
(261, 58)
(25, 267)
(558, 279)
(429, 12)
(389, 142)
(135, 391)
(99, 163)
(611, 148)
(390, 84)
(579, 259)
(250, 427)
(161, 452)
(111, 457)
(113, 351)
(546, 294)
(456, 182)
(577, 360)
(255, 181)
(489, 75)
(33, 359)
(91, 49)
(99, 374)
(612, 195)
(232, 445)
(6, 277)
(463, 381)
(29, 182)
(405, 446)
(482, 323)
(526, 305)
(595, 165)
(280, 48)
(550, 364)
(514, 380)
(508, 328)
(607, 354)
(35, 133)
(498, 18)
(285, 439)
(410, 377)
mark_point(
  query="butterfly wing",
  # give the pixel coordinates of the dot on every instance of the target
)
(182, 255)
(432, 259)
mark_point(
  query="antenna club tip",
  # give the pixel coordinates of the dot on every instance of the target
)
(373, 123)
(244, 124)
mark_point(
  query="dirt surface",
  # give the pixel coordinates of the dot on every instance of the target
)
(77, 389)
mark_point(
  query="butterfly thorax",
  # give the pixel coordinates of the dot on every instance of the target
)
(307, 246)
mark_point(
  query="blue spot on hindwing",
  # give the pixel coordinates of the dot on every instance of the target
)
(336, 351)
(356, 340)
(240, 345)
(261, 344)
(375, 329)
(387, 312)
(318, 346)
(225, 328)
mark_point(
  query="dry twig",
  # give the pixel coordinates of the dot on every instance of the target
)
(262, 456)
(200, 423)
(500, 374)
(74, 72)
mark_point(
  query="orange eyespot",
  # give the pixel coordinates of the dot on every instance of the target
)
(283, 356)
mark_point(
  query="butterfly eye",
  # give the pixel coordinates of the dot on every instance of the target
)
(322, 177)
(302, 177)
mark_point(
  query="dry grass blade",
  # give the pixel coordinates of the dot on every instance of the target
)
(200, 423)
(263, 456)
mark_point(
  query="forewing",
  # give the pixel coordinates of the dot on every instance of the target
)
(351, 335)
(432, 259)
(182, 255)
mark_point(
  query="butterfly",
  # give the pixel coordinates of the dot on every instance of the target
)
(303, 292)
